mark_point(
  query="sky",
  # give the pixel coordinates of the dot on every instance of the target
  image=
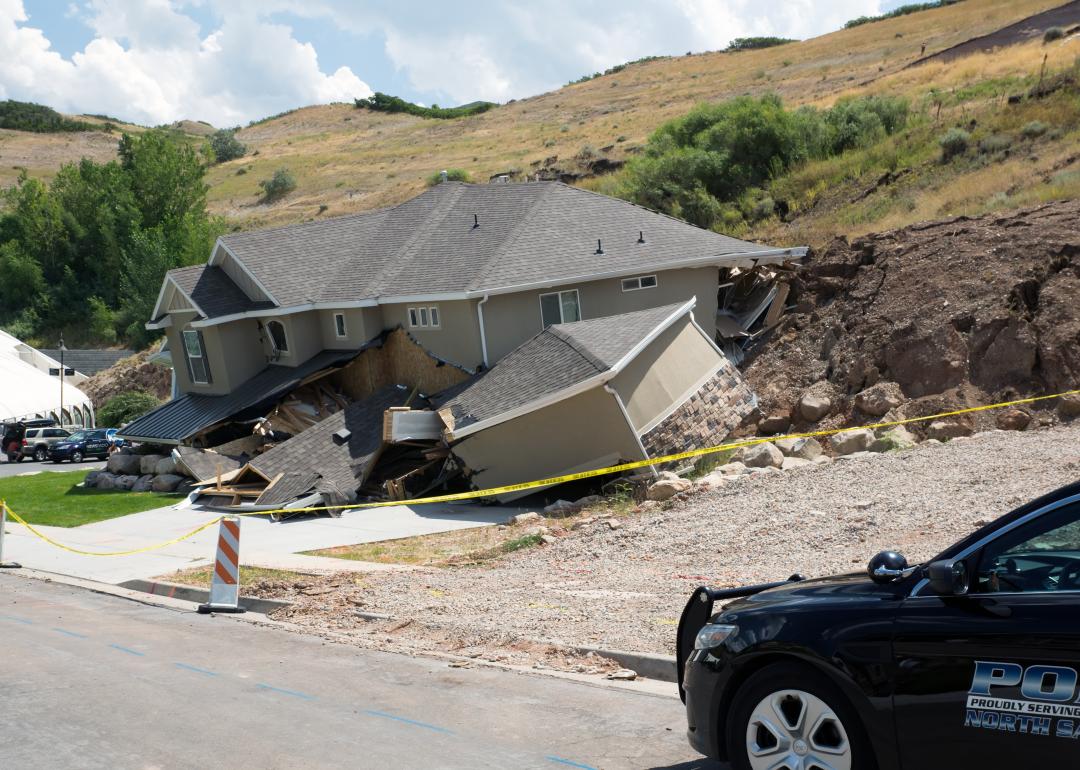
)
(229, 62)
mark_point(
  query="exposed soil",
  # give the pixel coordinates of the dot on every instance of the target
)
(961, 312)
(130, 374)
(1066, 16)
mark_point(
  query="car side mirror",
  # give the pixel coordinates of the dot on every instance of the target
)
(948, 577)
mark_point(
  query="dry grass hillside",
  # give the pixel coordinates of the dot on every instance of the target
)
(346, 159)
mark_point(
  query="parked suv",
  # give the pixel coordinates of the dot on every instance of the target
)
(80, 445)
(14, 434)
(38, 441)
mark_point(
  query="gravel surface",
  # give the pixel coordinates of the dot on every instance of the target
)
(624, 588)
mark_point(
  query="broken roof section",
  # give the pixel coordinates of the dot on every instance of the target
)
(560, 361)
(457, 241)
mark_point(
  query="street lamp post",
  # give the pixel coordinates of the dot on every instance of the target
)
(63, 349)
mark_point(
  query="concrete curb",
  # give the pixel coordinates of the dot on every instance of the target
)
(192, 594)
(649, 664)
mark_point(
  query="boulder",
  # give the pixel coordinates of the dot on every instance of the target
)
(794, 462)
(714, 480)
(165, 466)
(813, 407)
(105, 481)
(167, 483)
(143, 484)
(773, 424)
(821, 460)
(879, 399)
(851, 441)
(666, 488)
(561, 508)
(123, 464)
(762, 456)
(147, 463)
(803, 448)
(525, 518)
(125, 482)
(942, 430)
(91, 479)
(587, 501)
(731, 469)
(894, 438)
(1069, 406)
(1013, 419)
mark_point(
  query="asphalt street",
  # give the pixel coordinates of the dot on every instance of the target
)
(29, 466)
(90, 680)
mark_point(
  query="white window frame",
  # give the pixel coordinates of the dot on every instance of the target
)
(342, 331)
(635, 283)
(194, 334)
(424, 317)
(559, 294)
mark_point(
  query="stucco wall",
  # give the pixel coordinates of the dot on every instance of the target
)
(457, 339)
(666, 372)
(583, 432)
(303, 333)
(232, 350)
(510, 319)
(361, 324)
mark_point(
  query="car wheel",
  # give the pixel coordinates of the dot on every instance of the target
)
(40, 454)
(790, 716)
(76, 456)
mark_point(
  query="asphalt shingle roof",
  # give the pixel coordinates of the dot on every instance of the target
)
(557, 358)
(459, 237)
(88, 362)
(213, 291)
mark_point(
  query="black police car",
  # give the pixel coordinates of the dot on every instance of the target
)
(969, 660)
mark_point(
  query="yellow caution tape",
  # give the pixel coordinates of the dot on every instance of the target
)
(495, 491)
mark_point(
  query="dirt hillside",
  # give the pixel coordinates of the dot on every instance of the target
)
(131, 374)
(957, 312)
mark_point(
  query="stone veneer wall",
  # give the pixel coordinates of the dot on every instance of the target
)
(706, 418)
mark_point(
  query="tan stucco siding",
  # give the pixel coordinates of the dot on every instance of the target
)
(665, 374)
(361, 324)
(457, 339)
(303, 334)
(510, 319)
(233, 353)
(582, 432)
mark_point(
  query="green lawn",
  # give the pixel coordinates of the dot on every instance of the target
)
(53, 499)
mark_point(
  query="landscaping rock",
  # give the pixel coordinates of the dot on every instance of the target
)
(536, 531)
(91, 479)
(587, 501)
(1069, 406)
(942, 430)
(731, 469)
(623, 674)
(123, 464)
(791, 463)
(813, 407)
(821, 460)
(851, 441)
(773, 424)
(143, 484)
(666, 488)
(761, 456)
(166, 466)
(548, 539)
(525, 518)
(125, 482)
(613, 523)
(105, 481)
(1013, 419)
(803, 448)
(147, 463)
(879, 399)
(891, 439)
(561, 508)
(167, 483)
(714, 480)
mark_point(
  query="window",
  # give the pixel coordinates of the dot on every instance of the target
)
(1041, 556)
(560, 307)
(277, 336)
(198, 368)
(424, 317)
(639, 282)
(339, 326)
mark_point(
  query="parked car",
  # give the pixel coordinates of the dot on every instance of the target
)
(80, 445)
(37, 441)
(968, 660)
(15, 432)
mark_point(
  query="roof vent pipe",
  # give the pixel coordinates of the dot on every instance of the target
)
(443, 175)
(475, 221)
(641, 236)
(599, 247)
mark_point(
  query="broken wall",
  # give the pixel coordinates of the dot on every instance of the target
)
(398, 361)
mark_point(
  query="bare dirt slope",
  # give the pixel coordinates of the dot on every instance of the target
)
(130, 374)
(963, 311)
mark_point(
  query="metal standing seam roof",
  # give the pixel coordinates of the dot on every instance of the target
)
(192, 413)
(458, 237)
(557, 358)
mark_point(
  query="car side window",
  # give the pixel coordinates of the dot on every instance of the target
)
(1043, 555)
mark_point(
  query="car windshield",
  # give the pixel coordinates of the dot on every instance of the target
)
(80, 436)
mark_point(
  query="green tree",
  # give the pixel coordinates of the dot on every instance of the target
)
(226, 146)
(279, 185)
(125, 407)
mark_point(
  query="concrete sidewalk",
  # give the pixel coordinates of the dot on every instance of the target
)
(263, 543)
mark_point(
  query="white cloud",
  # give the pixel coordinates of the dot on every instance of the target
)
(148, 63)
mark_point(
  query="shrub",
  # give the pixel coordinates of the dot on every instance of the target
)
(280, 184)
(452, 175)
(226, 146)
(903, 10)
(995, 143)
(379, 102)
(1034, 129)
(27, 116)
(125, 407)
(1052, 34)
(750, 43)
(954, 142)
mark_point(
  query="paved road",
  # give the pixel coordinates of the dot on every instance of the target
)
(95, 681)
(29, 466)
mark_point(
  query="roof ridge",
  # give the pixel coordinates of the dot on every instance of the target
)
(577, 347)
(513, 236)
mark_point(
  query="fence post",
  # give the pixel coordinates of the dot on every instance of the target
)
(3, 524)
(225, 580)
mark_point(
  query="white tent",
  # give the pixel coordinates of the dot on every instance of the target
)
(28, 391)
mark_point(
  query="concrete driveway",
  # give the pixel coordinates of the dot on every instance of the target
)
(263, 543)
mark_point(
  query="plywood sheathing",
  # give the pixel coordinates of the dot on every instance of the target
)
(399, 360)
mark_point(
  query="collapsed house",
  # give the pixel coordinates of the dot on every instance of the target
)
(509, 306)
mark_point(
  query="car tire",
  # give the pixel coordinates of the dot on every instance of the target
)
(768, 715)
(40, 454)
(76, 456)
